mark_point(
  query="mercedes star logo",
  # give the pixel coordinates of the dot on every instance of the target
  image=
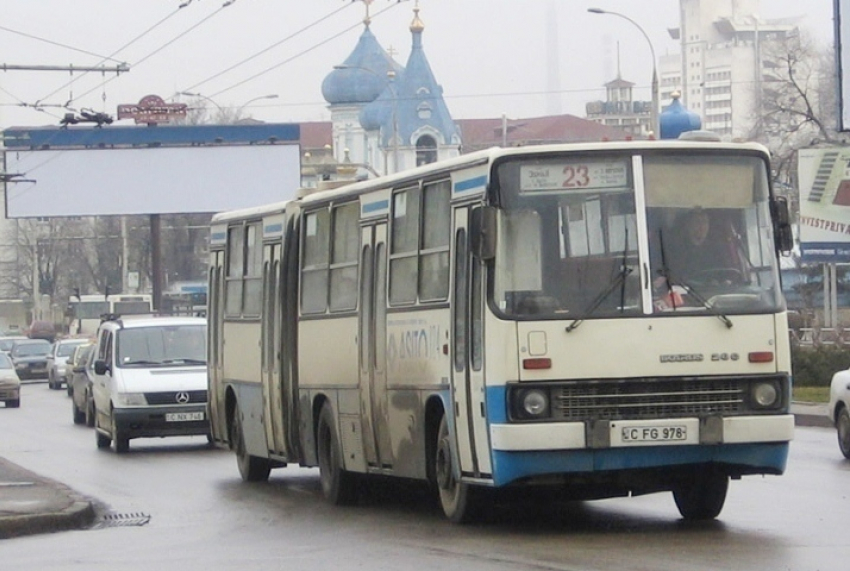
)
(182, 397)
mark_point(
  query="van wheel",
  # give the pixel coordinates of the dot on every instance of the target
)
(338, 485)
(14, 403)
(103, 441)
(122, 442)
(89, 411)
(460, 501)
(251, 468)
(842, 426)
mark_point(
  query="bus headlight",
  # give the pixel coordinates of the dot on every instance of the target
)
(765, 394)
(532, 404)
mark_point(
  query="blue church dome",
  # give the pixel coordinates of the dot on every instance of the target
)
(415, 97)
(363, 75)
(677, 119)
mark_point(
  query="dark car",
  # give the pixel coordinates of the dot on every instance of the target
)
(80, 372)
(30, 358)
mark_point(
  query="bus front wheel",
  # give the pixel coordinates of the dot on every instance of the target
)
(458, 499)
(702, 496)
(338, 485)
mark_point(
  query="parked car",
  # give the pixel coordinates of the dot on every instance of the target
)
(57, 370)
(150, 380)
(10, 384)
(30, 358)
(6, 342)
(80, 375)
(839, 409)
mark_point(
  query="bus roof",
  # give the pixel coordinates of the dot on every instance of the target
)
(483, 157)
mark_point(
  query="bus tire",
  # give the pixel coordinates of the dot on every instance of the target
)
(702, 496)
(458, 499)
(251, 468)
(338, 485)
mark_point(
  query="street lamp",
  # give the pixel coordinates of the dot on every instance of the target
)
(221, 110)
(244, 105)
(391, 84)
(653, 117)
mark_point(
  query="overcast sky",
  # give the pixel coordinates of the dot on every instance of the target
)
(490, 56)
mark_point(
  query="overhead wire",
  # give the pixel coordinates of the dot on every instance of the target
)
(58, 44)
(108, 58)
(162, 47)
(269, 48)
(299, 54)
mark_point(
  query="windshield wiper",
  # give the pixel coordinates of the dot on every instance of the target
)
(620, 278)
(670, 280)
(140, 362)
(186, 360)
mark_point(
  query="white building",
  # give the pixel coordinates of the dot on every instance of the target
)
(720, 67)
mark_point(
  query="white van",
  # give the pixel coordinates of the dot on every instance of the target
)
(150, 379)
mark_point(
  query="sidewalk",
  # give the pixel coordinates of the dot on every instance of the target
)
(31, 504)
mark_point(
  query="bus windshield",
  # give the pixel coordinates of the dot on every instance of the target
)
(617, 235)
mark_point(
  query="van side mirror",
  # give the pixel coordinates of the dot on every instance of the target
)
(100, 367)
(784, 236)
(482, 232)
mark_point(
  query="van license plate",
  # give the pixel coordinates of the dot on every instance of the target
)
(183, 416)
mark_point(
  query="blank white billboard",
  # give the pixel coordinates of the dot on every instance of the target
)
(158, 180)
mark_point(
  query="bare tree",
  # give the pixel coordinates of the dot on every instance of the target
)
(798, 103)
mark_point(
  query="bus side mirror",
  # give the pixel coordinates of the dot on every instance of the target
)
(482, 232)
(782, 225)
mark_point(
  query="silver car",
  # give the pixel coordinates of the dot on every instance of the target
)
(10, 384)
(58, 372)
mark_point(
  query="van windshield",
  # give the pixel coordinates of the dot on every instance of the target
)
(162, 345)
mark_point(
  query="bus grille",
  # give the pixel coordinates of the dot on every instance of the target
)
(617, 400)
(170, 397)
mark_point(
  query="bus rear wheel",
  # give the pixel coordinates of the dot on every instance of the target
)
(458, 499)
(338, 485)
(702, 496)
(251, 468)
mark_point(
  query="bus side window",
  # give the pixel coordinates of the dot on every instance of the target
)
(314, 269)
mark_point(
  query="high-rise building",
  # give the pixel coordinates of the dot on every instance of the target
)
(725, 50)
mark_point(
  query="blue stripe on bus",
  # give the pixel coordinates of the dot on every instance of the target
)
(376, 206)
(470, 184)
(509, 466)
(273, 229)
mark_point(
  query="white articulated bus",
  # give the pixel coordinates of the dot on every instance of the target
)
(606, 318)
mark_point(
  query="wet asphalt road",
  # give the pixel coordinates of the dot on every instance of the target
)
(201, 516)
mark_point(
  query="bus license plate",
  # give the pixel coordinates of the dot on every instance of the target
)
(183, 416)
(637, 433)
(654, 433)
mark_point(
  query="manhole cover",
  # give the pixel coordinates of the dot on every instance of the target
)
(122, 520)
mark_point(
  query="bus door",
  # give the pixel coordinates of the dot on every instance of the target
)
(272, 345)
(214, 359)
(467, 357)
(373, 345)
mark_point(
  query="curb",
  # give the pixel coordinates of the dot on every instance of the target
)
(78, 515)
